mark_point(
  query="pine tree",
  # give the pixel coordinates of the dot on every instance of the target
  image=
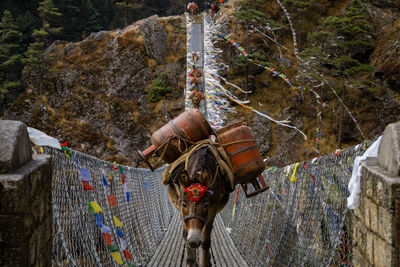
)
(10, 60)
(126, 6)
(26, 22)
(249, 15)
(36, 61)
(72, 19)
(48, 12)
(341, 41)
(339, 45)
(93, 22)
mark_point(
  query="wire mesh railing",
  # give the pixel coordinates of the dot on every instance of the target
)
(142, 218)
(302, 220)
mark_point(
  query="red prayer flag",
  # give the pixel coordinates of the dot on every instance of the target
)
(127, 254)
(87, 186)
(123, 178)
(107, 238)
(64, 144)
(112, 200)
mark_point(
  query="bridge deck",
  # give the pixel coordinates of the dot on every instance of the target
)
(171, 250)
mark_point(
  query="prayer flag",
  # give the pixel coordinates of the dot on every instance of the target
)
(117, 257)
(119, 233)
(105, 229)
(95, 207)
(107, 238)
(293, 178)
(105, 182)
(127, 254)
(112, 200)
(123, 243)
(99, 220)
(85, 174)
(87, 186)
(117, 222)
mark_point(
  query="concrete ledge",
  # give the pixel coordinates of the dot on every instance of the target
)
(389, 149)
(15, 148)
(18, 189)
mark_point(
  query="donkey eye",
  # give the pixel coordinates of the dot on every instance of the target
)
(206, 205)
(184, 205)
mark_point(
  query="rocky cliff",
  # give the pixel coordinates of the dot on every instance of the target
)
(99, 95)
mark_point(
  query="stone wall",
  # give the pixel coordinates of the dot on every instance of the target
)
(25, 200)
(376, 227)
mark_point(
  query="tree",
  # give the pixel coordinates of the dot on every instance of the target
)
(126, 6)
(48, 12)
(73, 18)
(340, 46)
(36, 61)
(10, 60)
(93, 22)
(249, 15)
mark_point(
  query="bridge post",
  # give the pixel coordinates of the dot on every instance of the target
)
(25, 200)
(376, 228)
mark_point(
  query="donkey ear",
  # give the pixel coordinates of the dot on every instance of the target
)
(184, 178)
(204, 177)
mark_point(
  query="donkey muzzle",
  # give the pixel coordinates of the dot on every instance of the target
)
(194, 238)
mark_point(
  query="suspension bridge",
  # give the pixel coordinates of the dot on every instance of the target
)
(105, 214)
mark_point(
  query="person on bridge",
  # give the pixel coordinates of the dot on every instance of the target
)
(196, 96)
(192, 7)
(215, 9)
(195, 58)
(206, 6)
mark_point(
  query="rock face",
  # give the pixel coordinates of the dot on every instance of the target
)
(96, 98)
(155, 38)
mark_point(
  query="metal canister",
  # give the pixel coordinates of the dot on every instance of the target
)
(171, 140)
(238, 142)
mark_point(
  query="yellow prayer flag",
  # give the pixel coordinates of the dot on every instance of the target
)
(95, 207)
(117, 222)
(41, 149)
(117, 257)
(293, 178)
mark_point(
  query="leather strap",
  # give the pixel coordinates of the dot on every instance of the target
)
(185, 218)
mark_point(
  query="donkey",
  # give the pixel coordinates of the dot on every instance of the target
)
(199, 191)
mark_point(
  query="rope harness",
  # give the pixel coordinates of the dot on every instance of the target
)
(223, 163)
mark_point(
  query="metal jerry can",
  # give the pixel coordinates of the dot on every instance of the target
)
(171, 140)
(238, 142)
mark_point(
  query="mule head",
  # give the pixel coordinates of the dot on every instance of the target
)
(195, 202)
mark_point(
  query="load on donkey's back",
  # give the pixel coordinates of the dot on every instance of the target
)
(239, 155)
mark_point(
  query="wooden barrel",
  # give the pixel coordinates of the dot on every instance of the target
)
(238, 142)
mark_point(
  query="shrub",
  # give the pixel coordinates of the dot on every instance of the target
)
(158, 89)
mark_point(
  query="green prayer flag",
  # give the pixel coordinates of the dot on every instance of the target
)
(113, 248)
(91, 210)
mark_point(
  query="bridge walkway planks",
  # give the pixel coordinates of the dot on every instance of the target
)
(170, 252)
